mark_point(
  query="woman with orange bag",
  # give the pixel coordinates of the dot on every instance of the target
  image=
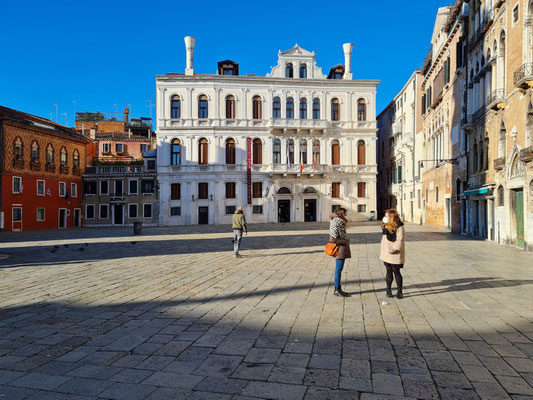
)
(338, 236)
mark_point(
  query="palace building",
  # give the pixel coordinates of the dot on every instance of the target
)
(290, 146)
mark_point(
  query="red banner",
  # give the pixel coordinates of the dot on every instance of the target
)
(249, 168)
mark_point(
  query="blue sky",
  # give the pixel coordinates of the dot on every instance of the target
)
(102, 53)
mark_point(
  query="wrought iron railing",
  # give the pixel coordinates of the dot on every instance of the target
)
(496, 96)
(523, 73)
(488, 18)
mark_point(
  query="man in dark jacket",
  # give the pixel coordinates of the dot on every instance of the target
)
(239, 226)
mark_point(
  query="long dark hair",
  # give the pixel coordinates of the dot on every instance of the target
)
(340, 213)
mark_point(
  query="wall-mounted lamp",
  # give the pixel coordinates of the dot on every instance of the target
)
(266, 191)
(211, 197)
(193, 197)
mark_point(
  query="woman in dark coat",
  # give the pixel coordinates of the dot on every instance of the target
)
(337, 235)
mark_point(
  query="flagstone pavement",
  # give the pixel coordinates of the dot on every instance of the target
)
(97, 313)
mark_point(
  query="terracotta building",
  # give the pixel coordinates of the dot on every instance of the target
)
(41, 164)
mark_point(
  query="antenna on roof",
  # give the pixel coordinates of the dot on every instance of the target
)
(66, 118)
(56, 106)
(150, 105)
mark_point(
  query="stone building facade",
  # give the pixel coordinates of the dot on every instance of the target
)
(289, 146)
(41, 164)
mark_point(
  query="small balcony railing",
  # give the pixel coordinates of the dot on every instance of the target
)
(523, 76)
(478, 114)
(483, 27)
(117, 196)
(526, 154)
(499, 163)
(35, 165)
(18, 163)
(466, 121)
(63, 169)
(496, 97)
(76, 171)
(50, 167)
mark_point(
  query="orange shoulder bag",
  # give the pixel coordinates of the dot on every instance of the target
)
(331, 249)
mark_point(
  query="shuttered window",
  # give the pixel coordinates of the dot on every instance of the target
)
(257, 190)
(175, 191)
(336, 190)
(202, 190)
(335, 153)
(230, 190)
(361, 189)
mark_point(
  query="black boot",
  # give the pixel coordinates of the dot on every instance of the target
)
(389, 292)
(340, 292)
(399, 294)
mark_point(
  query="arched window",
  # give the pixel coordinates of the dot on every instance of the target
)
(175, 107)
(276, 151)
(257, 151)
(303, 71)
(458, 189)
(76, 159)
(276, 108)
(316, 152)
(361, 110)
(203, 151)
(335, 110)
(63, 156)
(361, 152)
(501, 197)
(335, 153)
(500, 67)
(481, 156)
(175, 152)
(290, 151)
(501, 141)
(289, 71)
(486, 154)
(284, 190)
(437, 194)
(18, 148)
(310, 189)
(202, 107)
(49, 154)
(230, 151)
(316, 108)
(257, 108)
(475, 155)
(290, 108)
(303, 108)
(35, 152)
(303, 152)
(230, 107)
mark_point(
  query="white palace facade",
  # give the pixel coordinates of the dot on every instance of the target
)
(287, 147)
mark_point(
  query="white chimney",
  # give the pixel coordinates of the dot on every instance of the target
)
(189, 46)
(347, 47)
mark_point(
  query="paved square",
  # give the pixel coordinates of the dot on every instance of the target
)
(99, 313)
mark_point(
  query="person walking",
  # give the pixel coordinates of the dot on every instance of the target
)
(239, 226)
(338, 236)
(393, 250)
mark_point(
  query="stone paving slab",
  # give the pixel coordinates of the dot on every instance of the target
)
(171, 314)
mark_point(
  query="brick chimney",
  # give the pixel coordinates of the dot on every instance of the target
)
(126, 115)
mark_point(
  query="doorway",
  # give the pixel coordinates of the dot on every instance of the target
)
(77, 217)
(62, 217)
(519, 218)
(310, 210)
(203, 215)
(284, 211)
(118, 214)
(448, 214)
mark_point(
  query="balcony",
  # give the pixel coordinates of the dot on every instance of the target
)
(523, 76)
(308, 169)
(466, 122)
(50, 167)
(114, 170)
(291, 123)
(63, 169)
(76, 171)
(117, 196)
(526, 154)
(479, 114)
(18, 163)
(35, 165)
(397, 127)
(496, 99)
(499, 163)
(481, 30)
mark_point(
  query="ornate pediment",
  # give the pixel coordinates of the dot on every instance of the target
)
(297, 51)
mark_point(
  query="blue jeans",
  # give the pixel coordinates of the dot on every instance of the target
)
(339, 265)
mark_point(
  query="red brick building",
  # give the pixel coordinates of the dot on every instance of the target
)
(41, 164)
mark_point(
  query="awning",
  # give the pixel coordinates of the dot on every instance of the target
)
(477, 191)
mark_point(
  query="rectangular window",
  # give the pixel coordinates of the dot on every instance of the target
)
(230, 210)
(40, 188)
(147, 211)
(202, 190)
(175, 211)
(89, 211)
(150, 165)
(132, 210)
(62, 189)
(335, 207)
(119, 147)
(17, 214)
(144, 147)
(257, 209)
(104, 187)
(17, 184)
(104, 211)
(175, 191)
(148, 186)
(40, 214)
(89, 187)
(230, 190)
(133, 186)
(74, 189)
(257, 190)
(336, 190)
(361, 208)
(361, 189)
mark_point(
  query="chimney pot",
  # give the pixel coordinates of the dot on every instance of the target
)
(347, 47)
(189, 47)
